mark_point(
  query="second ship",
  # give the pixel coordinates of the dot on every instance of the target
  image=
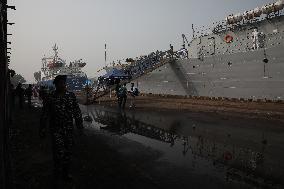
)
(54, 65)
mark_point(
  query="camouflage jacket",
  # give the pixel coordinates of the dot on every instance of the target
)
(60, 111)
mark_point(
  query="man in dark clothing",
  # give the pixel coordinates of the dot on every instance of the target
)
(133, 92)
(29, 93)
(60, 107)
(12, 95)
(20, 94)
(117, 87)
(42, 92)
(122, 96)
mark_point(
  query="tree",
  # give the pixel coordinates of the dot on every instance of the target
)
(18, 78)
(12, 73)
(129, 60)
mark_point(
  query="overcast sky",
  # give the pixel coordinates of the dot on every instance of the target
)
(129, 27)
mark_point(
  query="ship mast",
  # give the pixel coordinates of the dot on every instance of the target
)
(105, 54)
(55, 49)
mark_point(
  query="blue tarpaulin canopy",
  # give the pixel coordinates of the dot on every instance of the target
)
(116, 73)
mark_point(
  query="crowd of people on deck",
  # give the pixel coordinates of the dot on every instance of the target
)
(144, 63)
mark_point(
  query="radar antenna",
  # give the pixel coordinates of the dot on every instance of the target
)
(55, 49)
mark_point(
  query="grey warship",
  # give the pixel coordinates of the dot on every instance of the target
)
(240, 57)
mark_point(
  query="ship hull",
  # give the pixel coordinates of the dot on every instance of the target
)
(239, 75)
(226, 69)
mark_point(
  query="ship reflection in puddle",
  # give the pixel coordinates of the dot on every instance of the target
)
(185, 144)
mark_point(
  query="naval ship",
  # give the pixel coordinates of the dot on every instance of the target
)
(54, 65)
(239, 57)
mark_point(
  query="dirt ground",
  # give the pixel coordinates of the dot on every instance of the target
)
(268, 110)
(95, 164)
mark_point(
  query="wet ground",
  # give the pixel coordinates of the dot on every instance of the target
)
(198, 149)
(150, 148)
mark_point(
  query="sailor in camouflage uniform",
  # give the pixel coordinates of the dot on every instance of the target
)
(60, 107)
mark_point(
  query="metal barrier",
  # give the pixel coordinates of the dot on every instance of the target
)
(5, 181)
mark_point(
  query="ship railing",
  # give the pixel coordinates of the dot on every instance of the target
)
(222, 26)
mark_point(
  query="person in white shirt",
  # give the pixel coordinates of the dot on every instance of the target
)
(255, 39)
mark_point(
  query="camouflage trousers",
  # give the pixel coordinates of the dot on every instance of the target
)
(62, 143)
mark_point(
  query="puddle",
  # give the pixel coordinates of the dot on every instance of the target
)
(232, 149)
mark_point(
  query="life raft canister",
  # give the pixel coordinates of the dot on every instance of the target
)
(228, 38)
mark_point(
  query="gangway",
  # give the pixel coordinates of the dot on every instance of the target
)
(103, 88)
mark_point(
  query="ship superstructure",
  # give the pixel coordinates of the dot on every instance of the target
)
(54, 65)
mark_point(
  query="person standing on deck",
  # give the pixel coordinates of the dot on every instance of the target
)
(255, 39)
(60, 108)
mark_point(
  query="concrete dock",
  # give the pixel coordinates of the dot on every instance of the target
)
(225, 106)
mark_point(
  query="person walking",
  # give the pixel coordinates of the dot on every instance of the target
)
(60, 107)
(117, 87)
(122, 96)
(12, 95)
(29, 93)
(133, 93)
(20, 94)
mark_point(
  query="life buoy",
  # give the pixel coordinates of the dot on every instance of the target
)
(228, 38)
